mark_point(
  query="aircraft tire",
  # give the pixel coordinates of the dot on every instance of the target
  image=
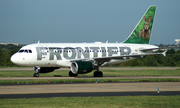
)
(98, 74)
(36, 75)
(72, 75)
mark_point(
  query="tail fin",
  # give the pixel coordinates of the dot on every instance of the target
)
(142, 31)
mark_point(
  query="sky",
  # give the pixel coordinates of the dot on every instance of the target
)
(75, 21)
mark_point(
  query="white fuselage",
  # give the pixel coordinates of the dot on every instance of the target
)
(62, 54)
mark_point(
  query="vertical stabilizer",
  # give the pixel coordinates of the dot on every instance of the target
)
(142, 31)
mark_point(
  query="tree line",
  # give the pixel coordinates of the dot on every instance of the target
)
(6, 51)
(172, 58)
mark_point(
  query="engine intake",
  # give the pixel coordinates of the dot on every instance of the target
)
(81, 67)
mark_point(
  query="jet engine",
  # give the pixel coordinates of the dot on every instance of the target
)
(81, 67)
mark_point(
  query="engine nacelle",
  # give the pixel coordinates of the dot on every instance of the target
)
(81, 67)
(45, 69)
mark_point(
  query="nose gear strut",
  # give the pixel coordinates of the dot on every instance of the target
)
(36, 69)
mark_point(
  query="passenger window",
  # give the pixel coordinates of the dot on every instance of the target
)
(30, 51)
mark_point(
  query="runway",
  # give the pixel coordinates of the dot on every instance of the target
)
(48, 95)
(90, 89)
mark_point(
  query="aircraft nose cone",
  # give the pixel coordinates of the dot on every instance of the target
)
(14, 59)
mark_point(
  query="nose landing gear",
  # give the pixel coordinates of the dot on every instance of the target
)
(36, 69)
(36, 74)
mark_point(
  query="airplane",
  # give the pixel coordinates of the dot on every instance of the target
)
(83, 58)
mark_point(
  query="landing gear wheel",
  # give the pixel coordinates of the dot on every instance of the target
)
(36, 75)
(98, 74)
(72, 75)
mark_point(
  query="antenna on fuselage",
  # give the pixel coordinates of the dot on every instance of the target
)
(107, 41)
(38, 42)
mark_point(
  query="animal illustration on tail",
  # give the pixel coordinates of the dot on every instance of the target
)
(145, 32)
(142, 32)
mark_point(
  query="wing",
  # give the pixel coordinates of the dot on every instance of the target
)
(101, 60)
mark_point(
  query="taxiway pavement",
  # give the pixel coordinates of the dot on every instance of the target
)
(90, 87)
(48, 95)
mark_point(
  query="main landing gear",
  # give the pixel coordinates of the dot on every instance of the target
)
(98, 73)
(72, 75)
(37, 72)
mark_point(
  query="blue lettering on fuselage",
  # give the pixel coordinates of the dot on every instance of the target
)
(56, 53)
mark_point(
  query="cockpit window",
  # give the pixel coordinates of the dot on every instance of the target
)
(20, 51)
(25, 51)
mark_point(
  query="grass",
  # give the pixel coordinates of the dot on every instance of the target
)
(105, 73)
(86, 81)
(94, 102)
(142, 73)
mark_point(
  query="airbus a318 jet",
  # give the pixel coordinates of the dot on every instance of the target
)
(83, 58)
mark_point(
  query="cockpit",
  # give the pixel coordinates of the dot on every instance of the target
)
(25, 51)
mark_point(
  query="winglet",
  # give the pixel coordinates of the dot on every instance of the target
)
(164, 53)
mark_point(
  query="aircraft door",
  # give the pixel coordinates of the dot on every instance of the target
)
(127, 51)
